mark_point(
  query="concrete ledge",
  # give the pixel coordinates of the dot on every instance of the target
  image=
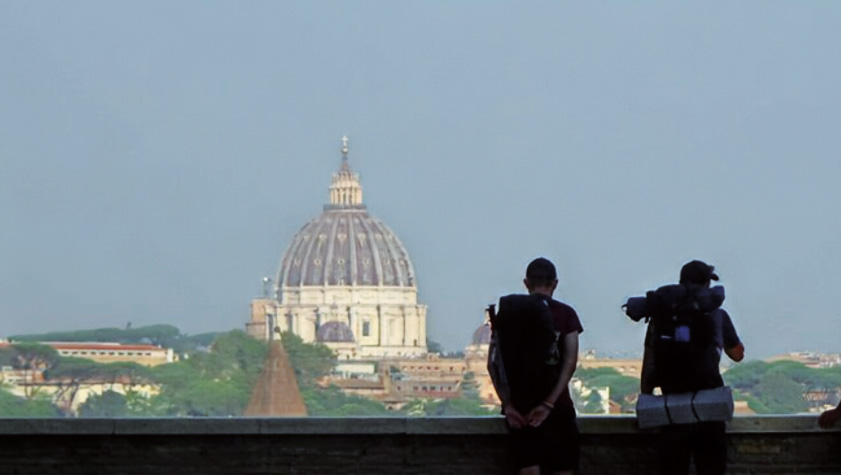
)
(492, 425)
(610, 445)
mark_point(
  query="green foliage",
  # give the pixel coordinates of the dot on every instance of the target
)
(13, 406)
(594, 403)
(203, 339)
(235, 353)
(142, 405)
(433, 346)
(447, 407)
(80, 369)
(7, 356)
(469, 387)
(33, 356)
(215, 383)
(218, 383)
(778, 387)
(780, 393)
(331, 401)
(621, 386)
(586, 374)
(746, 375)
(754, 403)
(75, 369)
(107, 404)
(208, 398)
(311, 361)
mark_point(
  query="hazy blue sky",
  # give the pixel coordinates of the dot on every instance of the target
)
(157, 157)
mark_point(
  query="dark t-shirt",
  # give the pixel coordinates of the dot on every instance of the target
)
(566, 321)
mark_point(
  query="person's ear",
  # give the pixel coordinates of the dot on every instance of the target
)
(554, 285)
(526, 283)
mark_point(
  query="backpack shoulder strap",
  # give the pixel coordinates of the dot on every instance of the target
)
(496, 367)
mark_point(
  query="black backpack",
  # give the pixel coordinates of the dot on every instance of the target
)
(527, 340)
(682, 333)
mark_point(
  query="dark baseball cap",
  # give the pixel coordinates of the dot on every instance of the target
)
(697, 272)
(541, 269)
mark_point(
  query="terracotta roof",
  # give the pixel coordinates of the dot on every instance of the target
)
(73, 345)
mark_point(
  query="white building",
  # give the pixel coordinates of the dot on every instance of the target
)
(347, 281)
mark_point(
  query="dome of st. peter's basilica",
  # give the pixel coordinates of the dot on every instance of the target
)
(349, 270)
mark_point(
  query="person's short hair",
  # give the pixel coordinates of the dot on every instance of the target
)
(541, 273)
(697, 272)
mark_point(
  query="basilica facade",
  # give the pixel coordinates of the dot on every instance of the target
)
(346, 281)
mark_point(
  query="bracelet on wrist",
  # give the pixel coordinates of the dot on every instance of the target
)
(548, 405)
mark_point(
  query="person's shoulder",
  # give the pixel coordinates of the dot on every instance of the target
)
(559, 306)
(723, 315)
(565, 317)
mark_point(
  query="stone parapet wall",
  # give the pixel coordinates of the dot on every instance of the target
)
(611, 445)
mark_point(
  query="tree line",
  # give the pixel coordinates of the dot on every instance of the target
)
(781, 387)
(211, 378)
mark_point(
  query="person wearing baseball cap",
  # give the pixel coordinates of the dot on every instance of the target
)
(697, 272)
(710, 331)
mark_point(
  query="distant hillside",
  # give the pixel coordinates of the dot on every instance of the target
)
(166, 336)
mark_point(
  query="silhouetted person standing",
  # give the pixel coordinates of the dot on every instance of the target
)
(533, 354)
(830, 417)
(710, 332)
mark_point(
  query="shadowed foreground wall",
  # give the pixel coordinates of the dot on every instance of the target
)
(611, 445)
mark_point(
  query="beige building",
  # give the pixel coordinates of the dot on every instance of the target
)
(625, 366)
(399, 380)
(811, 359)
(106, 352)
(476, 359)
(346, 281)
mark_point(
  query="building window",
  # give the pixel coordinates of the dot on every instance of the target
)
(366, 328)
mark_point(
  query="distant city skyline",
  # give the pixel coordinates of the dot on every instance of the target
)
(156, 159)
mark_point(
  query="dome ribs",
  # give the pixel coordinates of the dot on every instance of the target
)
(375, 254)
(351, 234)
(285, 275)
(309, 239)
(397, 257)
(331, 245)
(345, 246)
(377, 277)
